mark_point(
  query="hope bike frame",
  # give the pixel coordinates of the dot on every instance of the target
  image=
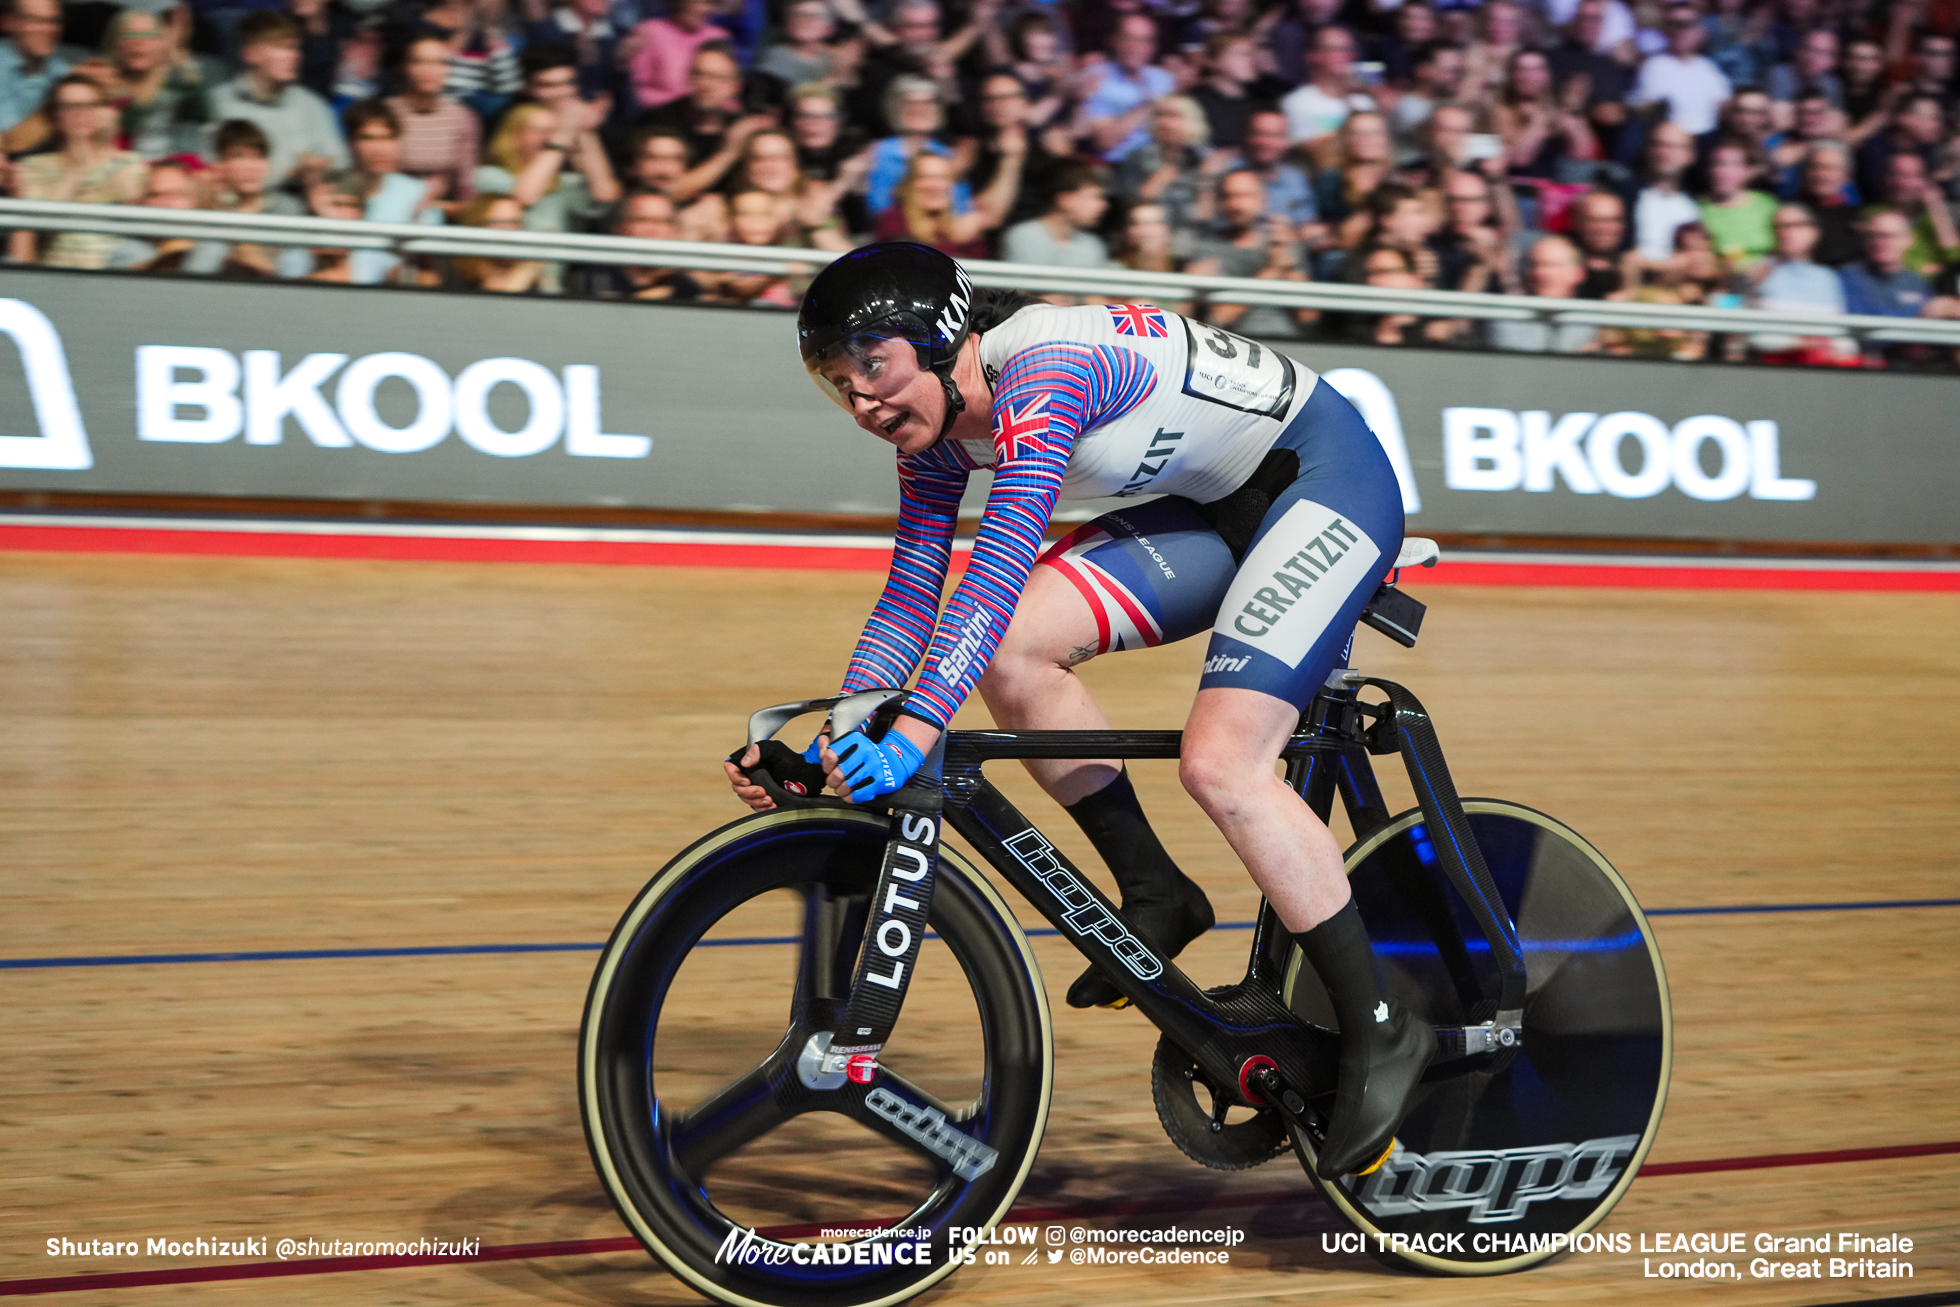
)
(1329, 754)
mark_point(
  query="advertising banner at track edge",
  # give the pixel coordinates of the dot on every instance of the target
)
(184, 387)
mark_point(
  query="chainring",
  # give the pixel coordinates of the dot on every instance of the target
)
(1226, 1146)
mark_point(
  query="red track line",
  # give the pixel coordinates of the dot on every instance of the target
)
(437, 549)
(1019, 1216)
(496, 548)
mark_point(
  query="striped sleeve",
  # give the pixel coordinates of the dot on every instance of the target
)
(1045, 398)
(894, 639)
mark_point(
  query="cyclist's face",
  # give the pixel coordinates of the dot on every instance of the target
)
(888, 393)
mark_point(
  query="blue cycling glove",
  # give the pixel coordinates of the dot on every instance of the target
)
(875, 767)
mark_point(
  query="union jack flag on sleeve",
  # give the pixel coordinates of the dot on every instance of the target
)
(1044, 399)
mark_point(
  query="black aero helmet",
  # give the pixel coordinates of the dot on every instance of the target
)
(895, 290)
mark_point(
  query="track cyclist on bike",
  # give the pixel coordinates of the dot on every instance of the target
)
(1280, 516)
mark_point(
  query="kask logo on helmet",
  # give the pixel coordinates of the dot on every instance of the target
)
(952, 319)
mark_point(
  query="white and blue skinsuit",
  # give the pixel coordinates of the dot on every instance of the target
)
(1126, 400)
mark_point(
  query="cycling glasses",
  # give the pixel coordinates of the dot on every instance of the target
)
(870, 354)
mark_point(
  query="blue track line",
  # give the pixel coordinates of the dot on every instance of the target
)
(738, 941)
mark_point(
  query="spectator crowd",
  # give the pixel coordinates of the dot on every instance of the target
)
(1801, 156)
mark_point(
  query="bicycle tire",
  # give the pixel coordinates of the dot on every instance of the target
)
(653, 1159)
(1586, 1088)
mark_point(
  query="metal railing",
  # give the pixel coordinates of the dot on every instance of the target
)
(410, 240)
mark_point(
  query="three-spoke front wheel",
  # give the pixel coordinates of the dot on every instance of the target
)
(748, 1183)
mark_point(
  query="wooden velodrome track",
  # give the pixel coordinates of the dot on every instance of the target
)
(243, 756)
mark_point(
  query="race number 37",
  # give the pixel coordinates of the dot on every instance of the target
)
(1241, 374)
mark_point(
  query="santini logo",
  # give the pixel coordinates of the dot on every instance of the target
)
(1497, 449)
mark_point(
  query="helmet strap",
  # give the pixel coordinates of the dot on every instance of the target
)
(955, 403)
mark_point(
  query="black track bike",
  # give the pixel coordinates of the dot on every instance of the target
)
(834, 1155)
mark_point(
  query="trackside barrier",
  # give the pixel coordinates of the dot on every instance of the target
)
(413, 239)
(188, 386)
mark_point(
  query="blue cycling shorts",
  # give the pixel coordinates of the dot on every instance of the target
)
(1283, 619)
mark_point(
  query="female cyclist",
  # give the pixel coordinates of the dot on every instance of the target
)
(1280, 516)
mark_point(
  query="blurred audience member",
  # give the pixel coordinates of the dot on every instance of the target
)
(1553, 270)
(301, 128)
(1438, 75)
(552, 166)
(1064, 237)
(1169, 168)
(583, 30)
(1289, 193)
(1401, 220)
(1247, 241)
(804, 53)
(238, 184)
(504, 276)
(1663, 204)
(1146, 242)
(1681, 77)
(1810, 71)
(754, 219)
(1790, 282)
(173, 184)
(1037, 59)
(1599, 228)
(160, 89)
(913, 109)
(1880, 283)
(929, 208)
(644, 215)
(662, 51)
(1473, 249)
(1116, 106)
(1361, 163)
(823, 142)
(440, 139)
(1814, 120)
(1918, 126)
(81, 166)
(1581, 59)
(483, 67)
(806, 211)
(1231, 66)
(1004, 112)
(710, 119)
(1544, 133)
(1934, 241)
(340, 195)
(1827, 190)
(31, 62)
(1738, 218)
(1331, 92)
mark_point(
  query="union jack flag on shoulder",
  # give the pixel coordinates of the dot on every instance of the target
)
(1138, 320)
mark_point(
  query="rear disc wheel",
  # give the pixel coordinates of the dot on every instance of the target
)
(1535, 1141)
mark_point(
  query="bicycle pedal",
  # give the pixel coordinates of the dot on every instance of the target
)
(1376, 1165)
(1116, 1004)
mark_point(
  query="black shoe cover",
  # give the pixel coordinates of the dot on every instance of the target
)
(1380, 1072)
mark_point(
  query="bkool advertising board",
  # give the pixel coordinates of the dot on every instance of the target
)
(192, 387)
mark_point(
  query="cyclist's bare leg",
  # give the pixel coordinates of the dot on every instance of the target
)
(1030, 684)
(1231, 745)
